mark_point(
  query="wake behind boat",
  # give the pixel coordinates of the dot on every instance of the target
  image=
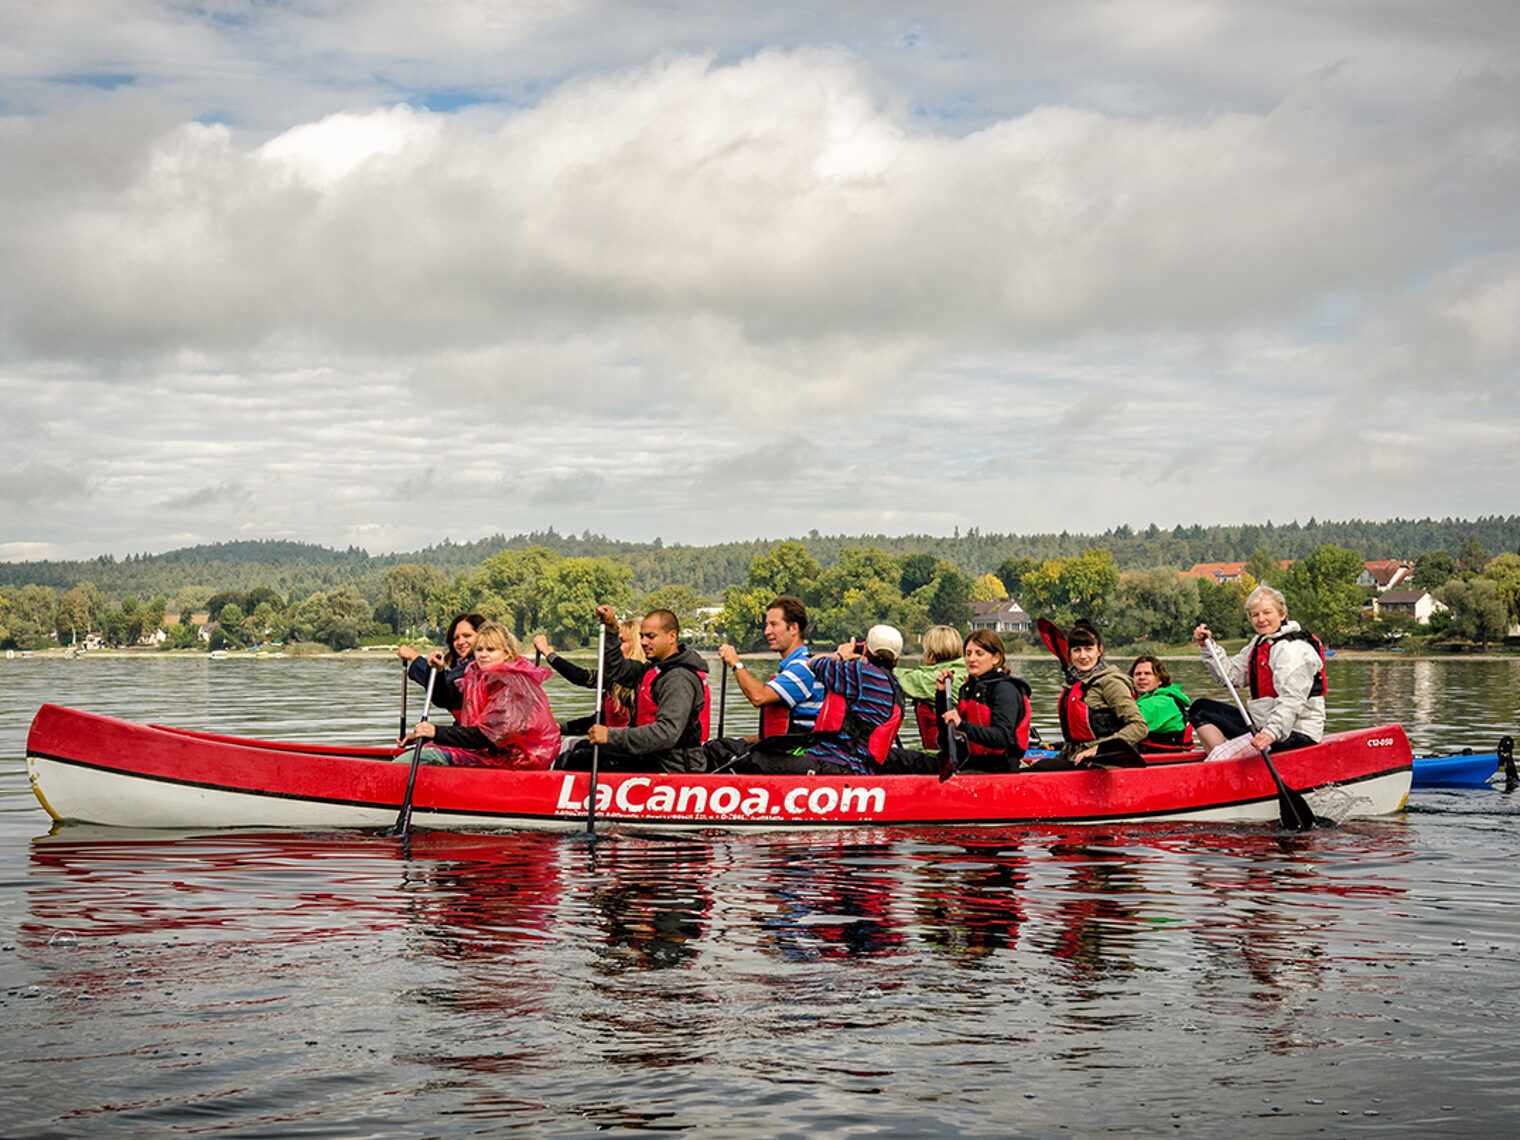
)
(94, 769)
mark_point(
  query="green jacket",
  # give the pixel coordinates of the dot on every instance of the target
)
(1164, 710)
(919, 682)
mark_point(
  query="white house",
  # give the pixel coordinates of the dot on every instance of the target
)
(1005, 616)
(1416, 603)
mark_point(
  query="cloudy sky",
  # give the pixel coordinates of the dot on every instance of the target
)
(384, 273)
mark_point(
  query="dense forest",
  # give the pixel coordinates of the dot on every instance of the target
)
(296, 569)
(257, 593)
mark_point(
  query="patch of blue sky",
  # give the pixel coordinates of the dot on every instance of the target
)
(100, 80)
(442, 102)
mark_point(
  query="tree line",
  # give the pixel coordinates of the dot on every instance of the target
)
(535, 588)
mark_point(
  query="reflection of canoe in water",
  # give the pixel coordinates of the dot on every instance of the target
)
(1463, 769)
(95, 769)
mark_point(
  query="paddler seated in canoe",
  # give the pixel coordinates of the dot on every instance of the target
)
(1096, 706)
(1284, 667)
(790, 700)
(991, 710)
(943, 650)
(671, 718)
(505, 721)
(459, 645)
(858, 723)
(1163, 705)
(618, 701)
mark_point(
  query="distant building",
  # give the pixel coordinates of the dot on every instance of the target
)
(1221, 572)
(1387, 574)
(1005, 616)
(1418, 604)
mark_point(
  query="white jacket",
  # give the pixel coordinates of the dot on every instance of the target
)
(1294, 664)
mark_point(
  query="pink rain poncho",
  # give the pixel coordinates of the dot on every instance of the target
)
(508, 704)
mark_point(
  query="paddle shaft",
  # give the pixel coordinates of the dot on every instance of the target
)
(404, 819)
(596, 749)
(722, 698)
(1292, 808)
(406, 681)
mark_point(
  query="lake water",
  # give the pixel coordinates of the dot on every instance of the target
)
(1153, 980)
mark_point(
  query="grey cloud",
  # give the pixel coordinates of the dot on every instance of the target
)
(232, 493)
(40, 484)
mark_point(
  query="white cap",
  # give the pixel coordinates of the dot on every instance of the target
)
(884, 637)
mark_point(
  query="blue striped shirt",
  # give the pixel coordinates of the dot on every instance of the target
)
(868, 693)
(798, 689)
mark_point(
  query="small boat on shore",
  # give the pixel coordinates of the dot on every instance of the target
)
(94, 769)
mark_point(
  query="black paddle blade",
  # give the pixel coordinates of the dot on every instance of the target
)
(1054, 638)
(1117, 754)
(1292, 809)
(1507, 762)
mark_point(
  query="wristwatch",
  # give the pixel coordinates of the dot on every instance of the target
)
(738, 665)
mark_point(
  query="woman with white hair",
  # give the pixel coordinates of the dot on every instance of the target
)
(1284, 667)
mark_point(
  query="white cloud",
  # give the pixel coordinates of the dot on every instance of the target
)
(623, 288)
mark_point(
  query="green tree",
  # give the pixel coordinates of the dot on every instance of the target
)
(1432, 571)
(573, 588)
(1265, 566)
(79, 609)
(1472, 556)
(1156, 605)
(1071, 588)
(1504, 571)
(685, 602)
(918, 571)
(1322, 593)
(1478, 612)
(1011, 573)
(337, 619)
(787, 568)
(988, 588)
(403, 603)
(1222, 607)
(857, 593)
(950, 602)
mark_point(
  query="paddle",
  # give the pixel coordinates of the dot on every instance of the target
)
(722, 698)
(1054, 638)
(596, 749)
(404, 820)
(406, 683)
(1117, 754)
(1507, 760)
(949, 763)
(1292, 808)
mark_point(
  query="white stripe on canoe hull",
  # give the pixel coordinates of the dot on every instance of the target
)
(95, 796)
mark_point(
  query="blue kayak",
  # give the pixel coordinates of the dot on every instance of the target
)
(1465, 769)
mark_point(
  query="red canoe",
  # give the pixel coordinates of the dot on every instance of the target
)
(95, 769)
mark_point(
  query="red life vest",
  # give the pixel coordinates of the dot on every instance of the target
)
(835, 717)
(1259, 669)
(928, 724)
(980, 713)
(614, 715)
(1079, 720)
(646, 708)
(775, 719)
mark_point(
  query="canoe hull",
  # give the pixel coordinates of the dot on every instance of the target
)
(92, 769)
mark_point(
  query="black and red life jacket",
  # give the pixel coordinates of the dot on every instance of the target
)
(1079, 720)
(775, 719)
(646, 708)
(836, 716)
(1259, 669)
(978, 711)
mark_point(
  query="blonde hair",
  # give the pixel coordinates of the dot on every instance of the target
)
(494, 635)
(627, 695)
(941, 643)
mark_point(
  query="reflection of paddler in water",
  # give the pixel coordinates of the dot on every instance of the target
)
(833, 903)
(485, 896)
(970, 912)
(653, 900)
(1096, 931)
